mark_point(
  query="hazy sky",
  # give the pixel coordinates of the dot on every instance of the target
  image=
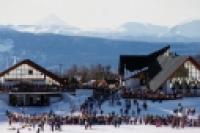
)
(89, 14)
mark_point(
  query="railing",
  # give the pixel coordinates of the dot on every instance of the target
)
(35, 90)
(31, 89)
(159, 94)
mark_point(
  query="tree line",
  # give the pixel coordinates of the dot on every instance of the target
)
(92, 72)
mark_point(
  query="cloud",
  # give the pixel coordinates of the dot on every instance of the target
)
(6, 45)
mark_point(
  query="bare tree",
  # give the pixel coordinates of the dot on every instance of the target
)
(96, 72)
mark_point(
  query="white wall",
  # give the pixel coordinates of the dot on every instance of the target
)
(22, 73)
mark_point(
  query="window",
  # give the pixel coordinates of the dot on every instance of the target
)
(30, 72)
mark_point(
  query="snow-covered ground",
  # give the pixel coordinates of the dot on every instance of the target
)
(63, 107)
(155, 108)
(70, 102)
(99, 129)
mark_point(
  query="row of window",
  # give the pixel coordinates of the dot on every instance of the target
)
(193, 71)
(24, 72)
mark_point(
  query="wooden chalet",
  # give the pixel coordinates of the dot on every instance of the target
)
(28, 83)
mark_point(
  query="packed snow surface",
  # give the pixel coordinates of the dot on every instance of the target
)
(71, 102)
(101, 128)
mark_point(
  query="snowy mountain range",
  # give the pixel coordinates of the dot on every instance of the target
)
(50, 24)
(52, 42)
(185, 32)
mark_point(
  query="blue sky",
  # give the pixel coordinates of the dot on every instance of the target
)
(99, 14)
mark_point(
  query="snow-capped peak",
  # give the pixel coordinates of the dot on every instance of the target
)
(49, 24)
(52, 20)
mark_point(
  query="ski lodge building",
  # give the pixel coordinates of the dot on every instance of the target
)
(27, 83)
(160, 70)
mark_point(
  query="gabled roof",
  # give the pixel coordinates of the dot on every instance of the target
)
(169, 65)
(160, 67)
(34, 65)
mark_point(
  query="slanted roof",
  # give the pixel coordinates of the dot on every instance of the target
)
(132, 62)
(34, 65)
(159, 67)
(160, 51)
(169, 65)
(136, 62)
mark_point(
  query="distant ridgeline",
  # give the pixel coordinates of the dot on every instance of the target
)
(50, 50)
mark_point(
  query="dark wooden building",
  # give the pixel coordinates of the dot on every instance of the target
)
(162, 70)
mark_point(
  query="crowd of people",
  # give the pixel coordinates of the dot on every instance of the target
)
(55, 122)
(92, 114)
(149, 94)
(180, 117)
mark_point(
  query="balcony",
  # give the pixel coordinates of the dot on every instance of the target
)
(27, 87)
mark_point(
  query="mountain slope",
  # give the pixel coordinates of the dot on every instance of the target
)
(185, 32)
(50, 50)
(190, 29)
(139, 29)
